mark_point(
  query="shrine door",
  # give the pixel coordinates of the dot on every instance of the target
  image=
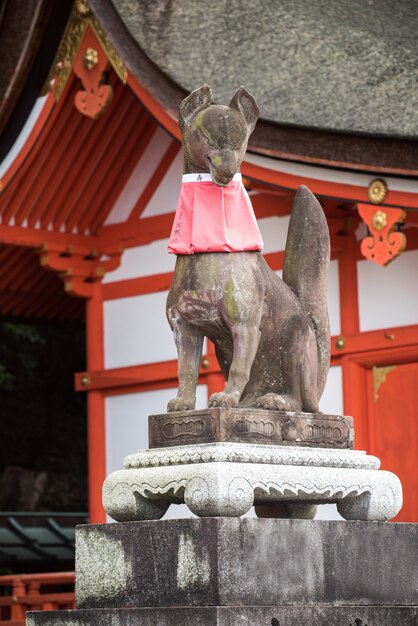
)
(392, 427)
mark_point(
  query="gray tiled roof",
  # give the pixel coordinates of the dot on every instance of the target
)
(347, 65)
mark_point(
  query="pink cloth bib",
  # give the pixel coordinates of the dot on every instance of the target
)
(210, 218)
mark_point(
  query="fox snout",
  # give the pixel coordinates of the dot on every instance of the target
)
(223, 166)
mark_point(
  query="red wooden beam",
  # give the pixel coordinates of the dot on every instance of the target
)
(324, 188)
(37, 238)
(138, 232)
(167, 118)
(401, 338)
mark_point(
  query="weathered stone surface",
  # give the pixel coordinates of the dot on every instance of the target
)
(250, 426)
(271, 335)
(246, 562)
(226, 479)
(223, 452)
(231, 616)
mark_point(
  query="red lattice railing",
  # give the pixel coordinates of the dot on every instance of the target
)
(34, 592)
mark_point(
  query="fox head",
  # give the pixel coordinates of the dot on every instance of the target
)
(215, 137)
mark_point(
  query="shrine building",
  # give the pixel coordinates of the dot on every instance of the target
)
(91, 172)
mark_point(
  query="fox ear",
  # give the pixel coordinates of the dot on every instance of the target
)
(245, 103)
(198, 100)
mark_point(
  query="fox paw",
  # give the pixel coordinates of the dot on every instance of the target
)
(181, 404)
(223, 399)
(276, 402)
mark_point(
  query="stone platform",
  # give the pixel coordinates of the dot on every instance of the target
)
(231, 616)
(226, 479)
(250, 426)
(228, 571)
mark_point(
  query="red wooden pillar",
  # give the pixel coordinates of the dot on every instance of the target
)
(95, 407)
(350, 325)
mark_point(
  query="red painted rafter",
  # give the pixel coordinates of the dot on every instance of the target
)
(43, 305)
(125, 171)
(37, 137)
(78, 165)
(13, 257)
(25, 275)
(111, 149)
(118, 172)
(16, 271)
(88, 163)
(31, 171)
(47, 176)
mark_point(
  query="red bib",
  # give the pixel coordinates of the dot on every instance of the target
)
(210, 218)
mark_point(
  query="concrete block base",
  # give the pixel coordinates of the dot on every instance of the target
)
(246, 562)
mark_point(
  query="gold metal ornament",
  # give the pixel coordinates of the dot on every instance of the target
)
(340, 343)
(82, 8)
(377, 191)
(81, 17)
(85, 380)
(379, 377)
(91, 59)
(379, 220)
(205, 363)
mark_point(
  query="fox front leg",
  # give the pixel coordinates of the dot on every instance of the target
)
(189, 344)
(245, 339)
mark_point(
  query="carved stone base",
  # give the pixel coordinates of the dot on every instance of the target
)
(223, 479)
(250, 426)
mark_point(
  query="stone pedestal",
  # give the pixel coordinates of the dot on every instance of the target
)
(316, 430)
(229, 571)
(224, 570)
(226, 479)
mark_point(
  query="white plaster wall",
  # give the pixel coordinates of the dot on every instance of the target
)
(136, 331)
(274, 232)
(388, 296)
(139, 177)
(127, 428)
(331, 402)
(166, 196)
(143, 261)
(334, 298)
(127, 421)
(332, 398)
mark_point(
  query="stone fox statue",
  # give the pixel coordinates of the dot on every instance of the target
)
(271, 335)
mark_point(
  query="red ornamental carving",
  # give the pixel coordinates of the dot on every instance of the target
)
(89, 66)
(383, 244)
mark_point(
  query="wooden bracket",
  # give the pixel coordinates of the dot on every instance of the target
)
(79, 272)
